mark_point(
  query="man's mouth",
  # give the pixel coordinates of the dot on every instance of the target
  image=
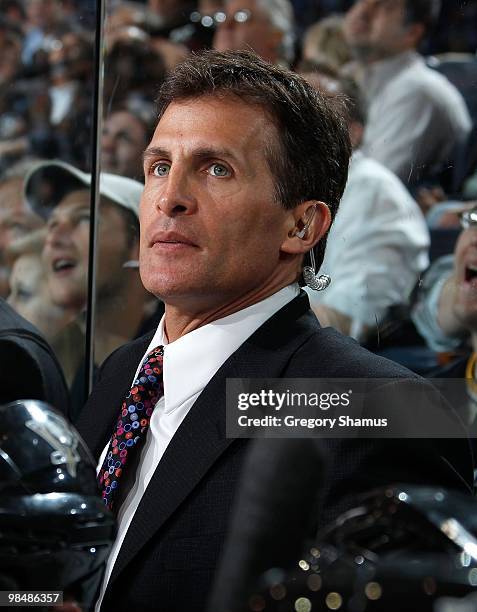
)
(171, 239)
(470, 273)
(63, 265)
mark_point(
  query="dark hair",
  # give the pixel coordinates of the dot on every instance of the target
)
(422, 11)
(310, 160)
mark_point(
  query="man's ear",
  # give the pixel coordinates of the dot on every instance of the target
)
(308, 223)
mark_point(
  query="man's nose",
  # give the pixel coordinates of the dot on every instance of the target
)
(59, 233)
(177, 196)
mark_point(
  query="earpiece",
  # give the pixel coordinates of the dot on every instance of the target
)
(302, 233)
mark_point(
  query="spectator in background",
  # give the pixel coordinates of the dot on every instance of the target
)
(378, 243)
(17, 220)
(172, 14)
(124, 137)
(54, 108)
(13, 97)
(167, 25)
(446, 315)
(61, 195)
(199, 33)
(447, 289)
(14, 12)
(70, 67)
(29, 293)
(125, 16)
(415, 116)
(133, 69)
(264, 26)
(10, 54)
(324, 42)
(45, 23)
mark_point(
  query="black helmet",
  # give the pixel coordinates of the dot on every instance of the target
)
(55, 532)
(403, 548)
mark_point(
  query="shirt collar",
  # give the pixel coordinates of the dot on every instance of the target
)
(192, 360)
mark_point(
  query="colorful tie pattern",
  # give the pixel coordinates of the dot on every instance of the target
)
(133, 423)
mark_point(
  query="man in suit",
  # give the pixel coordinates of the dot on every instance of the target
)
(242, 178)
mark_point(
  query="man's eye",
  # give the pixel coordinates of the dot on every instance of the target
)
(161, 169)
(82, 216)
(218, 170)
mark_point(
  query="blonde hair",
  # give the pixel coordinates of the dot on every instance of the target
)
(324, 42)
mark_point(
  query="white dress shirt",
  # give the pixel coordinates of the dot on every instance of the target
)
(415, 115)
(376, 248)
(190, 362)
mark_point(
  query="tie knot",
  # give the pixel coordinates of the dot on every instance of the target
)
(154, 356)
(158, 351)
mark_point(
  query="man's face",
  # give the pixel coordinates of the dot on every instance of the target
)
(210, 228)
(67, 247)
(30, 296)
(465, 270)
(122, 143)
(375, 29)
(256, 33)
(16, 221)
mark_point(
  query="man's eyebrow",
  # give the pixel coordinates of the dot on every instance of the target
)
(201, 153)
(210, 152)
(154, 152)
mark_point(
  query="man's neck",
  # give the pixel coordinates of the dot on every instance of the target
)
(181, 319)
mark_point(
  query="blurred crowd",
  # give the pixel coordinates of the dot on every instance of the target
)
(405, 71)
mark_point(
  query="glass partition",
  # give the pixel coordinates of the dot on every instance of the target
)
(47, 117)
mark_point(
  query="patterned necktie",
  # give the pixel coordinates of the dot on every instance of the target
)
(133, 423)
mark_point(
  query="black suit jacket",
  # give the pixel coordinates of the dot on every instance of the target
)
(28, 367)
(170, 552)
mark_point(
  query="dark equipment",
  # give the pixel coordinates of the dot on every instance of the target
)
(55, 532)
(403, 548)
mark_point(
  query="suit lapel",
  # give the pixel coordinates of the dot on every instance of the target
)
(185, 462)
